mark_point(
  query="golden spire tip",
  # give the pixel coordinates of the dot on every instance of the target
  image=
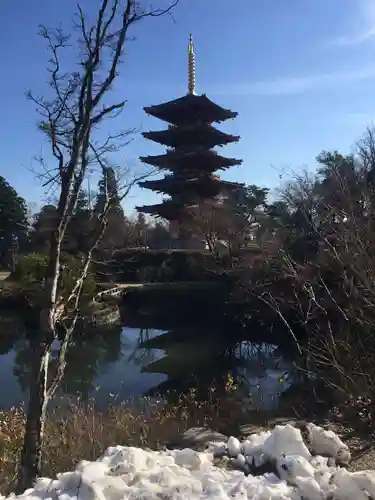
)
(191, 66)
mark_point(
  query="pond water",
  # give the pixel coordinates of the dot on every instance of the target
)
(125, 363)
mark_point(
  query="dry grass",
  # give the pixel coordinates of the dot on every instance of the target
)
(80, 431)
(4, 275)
(6, 285)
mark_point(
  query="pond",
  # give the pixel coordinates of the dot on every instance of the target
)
(125, 363)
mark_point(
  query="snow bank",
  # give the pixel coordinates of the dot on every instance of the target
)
(133, 473)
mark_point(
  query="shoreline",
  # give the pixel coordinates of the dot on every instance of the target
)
(100, 315)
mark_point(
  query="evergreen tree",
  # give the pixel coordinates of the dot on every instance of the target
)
(13, 221)
(140, 230)
(82, 202)
(158, 236)
(116, 230)
(78, 237)
(44, 223)
(109, 179)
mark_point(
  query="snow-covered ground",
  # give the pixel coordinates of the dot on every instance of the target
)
(300, 472)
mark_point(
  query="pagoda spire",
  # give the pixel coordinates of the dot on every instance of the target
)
(191, 66)
(191, 158)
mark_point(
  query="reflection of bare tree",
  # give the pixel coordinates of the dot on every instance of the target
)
(205, 362)
(10, 331)
(192, 359)
(265, 374)
(260, 357)
(142, 356)
(186, 361)
(98, 351)
(92, 355)
(22, 364)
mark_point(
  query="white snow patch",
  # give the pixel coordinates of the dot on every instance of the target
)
(254, 443)
(233, 447)
(285, 440)
(132, 473)
(324, 442)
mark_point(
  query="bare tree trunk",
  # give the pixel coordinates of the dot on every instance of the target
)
(35, 419)
(47, 320)
(38, 391)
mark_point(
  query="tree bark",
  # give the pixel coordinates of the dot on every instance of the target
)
(38, 394)
(35, 419)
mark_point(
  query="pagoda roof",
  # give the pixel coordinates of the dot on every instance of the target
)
(175, 209)
(202, 185)
(168, 209)
(198, 161)
(189, 109)
(202, 134)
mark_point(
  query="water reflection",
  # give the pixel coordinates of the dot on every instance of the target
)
(122, 363)
(190, 361)
(265, 372)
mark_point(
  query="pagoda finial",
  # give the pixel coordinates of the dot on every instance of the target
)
(191, 74)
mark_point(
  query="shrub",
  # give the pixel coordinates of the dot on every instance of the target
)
(324, 293)
(71, 268)
(30, 268)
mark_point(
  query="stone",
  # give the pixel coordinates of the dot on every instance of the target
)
(248, 429)
(197, 438)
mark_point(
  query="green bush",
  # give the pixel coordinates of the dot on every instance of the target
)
(30, 268)
(71, 268)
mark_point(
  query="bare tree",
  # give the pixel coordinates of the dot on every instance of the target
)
(69, 119)
(322, 287)
(211, 223)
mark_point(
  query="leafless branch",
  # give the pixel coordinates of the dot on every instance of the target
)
(69, 119)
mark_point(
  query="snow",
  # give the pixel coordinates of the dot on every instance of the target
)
(299, 472)
(233, 447)
(274, 445)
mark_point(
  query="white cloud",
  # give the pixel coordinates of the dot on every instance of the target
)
(295, 85)
(363, 26)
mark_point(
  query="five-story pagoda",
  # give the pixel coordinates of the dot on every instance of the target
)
(190, 160)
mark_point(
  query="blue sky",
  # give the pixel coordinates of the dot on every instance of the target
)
(300, 73)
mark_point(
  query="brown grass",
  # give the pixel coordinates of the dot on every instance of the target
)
(80, 431)
(4, 275)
